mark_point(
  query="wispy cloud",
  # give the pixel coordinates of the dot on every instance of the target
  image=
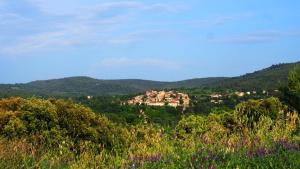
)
(220, 20)
(46, 40)
(206, 22)
(12, 18)
(139, 62)
(78, 24)
(74, 36)
(138, 36)
(257, 37)
(76, 8)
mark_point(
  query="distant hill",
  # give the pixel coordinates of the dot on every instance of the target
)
(79, 86)
(266, 79)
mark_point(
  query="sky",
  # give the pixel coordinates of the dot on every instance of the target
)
(166, 40)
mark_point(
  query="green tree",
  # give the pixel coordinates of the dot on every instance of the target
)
(290, 94)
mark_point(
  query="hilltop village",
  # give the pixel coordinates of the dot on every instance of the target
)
(161, 98)
(175, 99)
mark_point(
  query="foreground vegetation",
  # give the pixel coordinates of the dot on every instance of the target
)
(61, 134)
(52, 133)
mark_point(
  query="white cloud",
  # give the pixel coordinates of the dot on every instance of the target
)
(72, 23)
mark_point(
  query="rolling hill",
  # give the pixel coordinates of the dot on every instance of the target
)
(266, 79)
(82, 86)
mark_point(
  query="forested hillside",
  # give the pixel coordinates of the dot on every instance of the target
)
(266, 79)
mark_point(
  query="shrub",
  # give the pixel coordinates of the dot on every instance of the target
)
(248, 113)
(31, 117)
(193, 125)
(14, 128)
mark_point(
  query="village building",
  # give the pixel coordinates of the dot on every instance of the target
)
(216, 96)
(240, 94)
(161, 98)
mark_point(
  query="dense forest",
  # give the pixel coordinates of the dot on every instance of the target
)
(257, 131)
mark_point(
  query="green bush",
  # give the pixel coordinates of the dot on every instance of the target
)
(14, 128)
(248, 113)
(193, 125)
(30, 117)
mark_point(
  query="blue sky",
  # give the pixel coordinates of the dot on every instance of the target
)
(147, 39)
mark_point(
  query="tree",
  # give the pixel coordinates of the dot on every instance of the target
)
(290, 94)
